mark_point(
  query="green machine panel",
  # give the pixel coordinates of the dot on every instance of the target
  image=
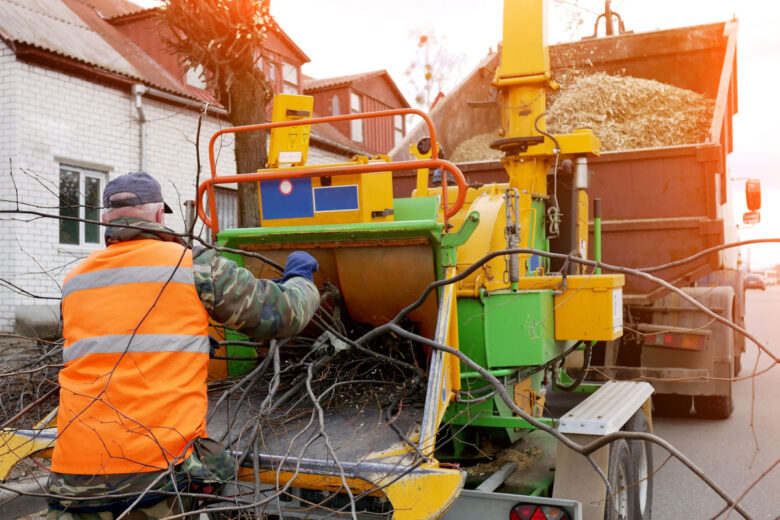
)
(508, 329)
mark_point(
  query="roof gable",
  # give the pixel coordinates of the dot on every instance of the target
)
(311, 86)
(288, 42)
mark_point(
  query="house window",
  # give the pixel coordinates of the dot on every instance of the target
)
(80, 194)
(271, 75)
(289, 78)
(356, 106)
(227, 207)
(398, 129)
(196, 77)
(334, 106)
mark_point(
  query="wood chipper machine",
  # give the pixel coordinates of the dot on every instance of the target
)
(433, 264)
(453, 273)
(663, 200)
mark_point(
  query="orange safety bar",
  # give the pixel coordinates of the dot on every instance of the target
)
(278, 174)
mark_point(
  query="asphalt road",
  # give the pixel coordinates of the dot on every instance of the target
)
(731, 453)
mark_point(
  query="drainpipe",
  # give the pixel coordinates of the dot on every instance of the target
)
(138, 92)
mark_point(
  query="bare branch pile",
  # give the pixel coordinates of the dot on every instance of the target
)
(28, 372)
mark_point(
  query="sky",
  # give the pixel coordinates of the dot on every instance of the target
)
(350, 36)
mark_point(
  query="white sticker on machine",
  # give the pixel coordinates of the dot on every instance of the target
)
(290, 157)
(617, 310)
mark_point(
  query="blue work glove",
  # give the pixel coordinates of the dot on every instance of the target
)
(300, 263)
(213, 346)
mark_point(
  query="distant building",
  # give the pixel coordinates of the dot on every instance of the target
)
(365, 92)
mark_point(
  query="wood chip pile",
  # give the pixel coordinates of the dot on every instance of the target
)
(624, 112)
(477, 148)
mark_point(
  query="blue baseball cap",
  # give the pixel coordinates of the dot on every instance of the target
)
(145, 188)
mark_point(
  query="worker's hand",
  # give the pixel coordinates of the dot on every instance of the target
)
(300, 263)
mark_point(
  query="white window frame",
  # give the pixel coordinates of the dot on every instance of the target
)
(355, 102)
(335, 105)
(84, 174)
(356, 125)
(228, 217)
(271, 76)
(290, 78)
(398, 129)
(195, 77)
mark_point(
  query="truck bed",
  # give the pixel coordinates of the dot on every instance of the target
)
(658, 204)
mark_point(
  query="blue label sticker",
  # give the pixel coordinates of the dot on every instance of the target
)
(287, 198)
(336, 198)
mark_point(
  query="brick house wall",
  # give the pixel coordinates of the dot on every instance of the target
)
(9, 143)
(51, 119)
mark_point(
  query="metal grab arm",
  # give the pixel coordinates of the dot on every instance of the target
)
(434, 162)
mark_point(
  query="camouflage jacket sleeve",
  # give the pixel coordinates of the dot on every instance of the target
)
(259, 308)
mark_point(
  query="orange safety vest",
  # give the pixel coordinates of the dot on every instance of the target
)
(133, 390)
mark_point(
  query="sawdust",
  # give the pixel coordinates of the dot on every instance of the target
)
(477, 148)
(624, 112)
(628, 113)
(524, 459)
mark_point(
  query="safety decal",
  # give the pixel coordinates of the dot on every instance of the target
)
(336, 198)
(287, 198)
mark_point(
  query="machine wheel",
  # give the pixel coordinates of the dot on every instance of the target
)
(714, 406)
(672, 405)
(619, 504)
(642, 457)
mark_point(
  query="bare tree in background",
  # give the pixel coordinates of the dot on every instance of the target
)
(225, 39)
(571, 15)
(434, 68)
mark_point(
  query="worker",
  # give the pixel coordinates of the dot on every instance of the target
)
(133, 389)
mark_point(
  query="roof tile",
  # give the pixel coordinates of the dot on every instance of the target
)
(114, 8)
(317, 84)
(50, 25)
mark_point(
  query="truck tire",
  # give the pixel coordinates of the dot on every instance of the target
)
(642, 456)
(714, 406)
(619, 505)
(672, 405)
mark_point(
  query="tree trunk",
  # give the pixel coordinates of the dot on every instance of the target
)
(247, 107)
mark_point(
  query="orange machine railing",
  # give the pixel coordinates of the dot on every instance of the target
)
(318, 171)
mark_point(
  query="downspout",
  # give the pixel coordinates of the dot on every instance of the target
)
(138, 91)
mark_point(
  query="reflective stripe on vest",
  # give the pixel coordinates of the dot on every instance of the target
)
(120, 343)
(133, 389)
(123, 275)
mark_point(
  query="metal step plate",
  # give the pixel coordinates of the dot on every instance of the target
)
(607, 410)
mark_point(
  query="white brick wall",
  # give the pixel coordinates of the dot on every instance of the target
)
(9, 144)
(51, 118)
